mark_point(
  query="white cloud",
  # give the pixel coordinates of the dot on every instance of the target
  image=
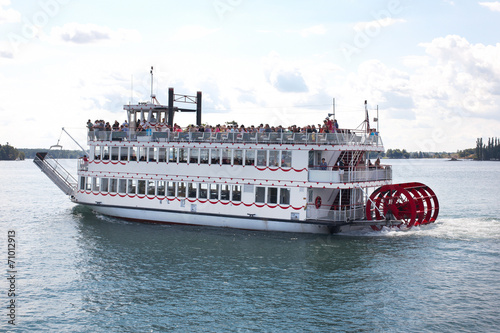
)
(314, 30)
(9, 14)
(191, 32)
(6, 50)
(385, 22)
(493, 6)
(90, 33)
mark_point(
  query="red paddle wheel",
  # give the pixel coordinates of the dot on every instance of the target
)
(410, 203)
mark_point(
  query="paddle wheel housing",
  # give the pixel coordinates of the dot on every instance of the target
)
(410, 203)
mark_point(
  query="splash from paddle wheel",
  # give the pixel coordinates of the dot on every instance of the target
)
(410, 203)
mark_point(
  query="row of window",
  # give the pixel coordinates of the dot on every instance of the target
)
(195, 155)
(162, 188)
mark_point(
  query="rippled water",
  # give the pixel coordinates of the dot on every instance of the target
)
(81, 272)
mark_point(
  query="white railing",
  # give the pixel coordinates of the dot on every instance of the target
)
(345, 213)
(56, 172)
(347, 175)
(344, 137)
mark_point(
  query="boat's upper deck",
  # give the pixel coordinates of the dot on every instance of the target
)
(342, 137)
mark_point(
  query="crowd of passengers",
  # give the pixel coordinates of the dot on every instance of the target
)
(329, 126)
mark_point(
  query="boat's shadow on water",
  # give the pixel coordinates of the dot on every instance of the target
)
(102, 234)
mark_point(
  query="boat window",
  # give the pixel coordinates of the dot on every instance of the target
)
(133, 153)
(97, 153)
(143, 154)
(193, 155)
(224, 191)
(191, 190)
(286, 159)
(261, 157)
(260, 194)
(105, 153)
(113, 185)
(309, 196)
(249, 157)
(202, 191)
(236, 194)
(238, 157)
(141, 188)
(114, 153)
(123, 153)
(214, 191)
(162, 154)
(172, 157)
(122, 185)
(183, 155)
(204, 156)
(274, 158)
(152, 154)
(226, 157)
(132, 184)
(284, 196)
(171, 189)
(181, 190)
(272, 195)
(160, 188)
(151, 187)
(95, 184)
(215, 156)
(83, 180)
(104, 185)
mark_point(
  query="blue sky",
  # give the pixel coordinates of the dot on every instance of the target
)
(430, 66)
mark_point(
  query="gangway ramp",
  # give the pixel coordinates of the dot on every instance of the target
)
(56, 172)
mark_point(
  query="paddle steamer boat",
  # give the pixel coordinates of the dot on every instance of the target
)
(276, 181)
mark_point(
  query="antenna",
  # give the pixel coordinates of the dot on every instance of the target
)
(152, 95)
(334, 108)
(367, 117)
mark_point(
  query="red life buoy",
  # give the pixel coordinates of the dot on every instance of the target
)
(317, 202)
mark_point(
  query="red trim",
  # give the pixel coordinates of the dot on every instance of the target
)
(193, 200)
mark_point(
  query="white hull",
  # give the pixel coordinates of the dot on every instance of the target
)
(246, 223)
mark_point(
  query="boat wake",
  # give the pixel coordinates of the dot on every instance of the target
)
(445, 228)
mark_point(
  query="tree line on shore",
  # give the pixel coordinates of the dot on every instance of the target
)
(398, 153)
(30, 153)
(9, 153)
(488, 152)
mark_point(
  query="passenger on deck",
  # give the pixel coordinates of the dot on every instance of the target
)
(90, 128)
(341, 164)
(85, 163)
(323, 164)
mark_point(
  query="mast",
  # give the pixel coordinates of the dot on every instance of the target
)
(152, 96)
(333, 108)
(367, 118)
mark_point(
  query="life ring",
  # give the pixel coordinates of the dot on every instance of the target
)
(317, 202)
